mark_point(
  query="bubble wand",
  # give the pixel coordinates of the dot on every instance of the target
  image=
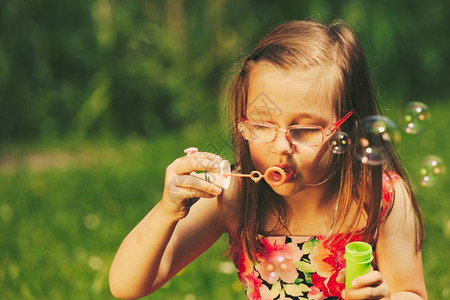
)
(274, 176)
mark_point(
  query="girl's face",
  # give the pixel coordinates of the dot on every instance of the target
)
(286, 98)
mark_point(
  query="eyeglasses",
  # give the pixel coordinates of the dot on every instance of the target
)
(313, 135)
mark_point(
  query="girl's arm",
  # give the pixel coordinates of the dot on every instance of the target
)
(400, 273)
(172, 234)
(398, 261)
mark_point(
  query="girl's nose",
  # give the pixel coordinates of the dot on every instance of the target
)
(281, 145)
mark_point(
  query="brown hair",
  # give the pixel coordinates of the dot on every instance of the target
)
(304, 45)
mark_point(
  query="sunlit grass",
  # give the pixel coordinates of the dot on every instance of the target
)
(62, 222)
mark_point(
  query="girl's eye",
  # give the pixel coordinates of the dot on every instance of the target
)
(259, 127)
(311, 130)
(299, 132)
(306, 136)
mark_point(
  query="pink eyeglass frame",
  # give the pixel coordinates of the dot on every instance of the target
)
(326, 132)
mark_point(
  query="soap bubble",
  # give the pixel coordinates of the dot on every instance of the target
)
(432, 170)
(190, 297)
(6, 212)
(376, 132)
(227, 267)
(91, 221)
(236, 286)
(339, 142)
(416, 117)
(95, 262)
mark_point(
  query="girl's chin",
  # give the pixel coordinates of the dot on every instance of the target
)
(288, 188)
(296, 185)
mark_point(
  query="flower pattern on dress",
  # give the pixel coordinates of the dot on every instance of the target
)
(296, 267)
(254, 284)
(387, 191)
(315, 293)
(277, 261)
(328, 260)
(290, 270)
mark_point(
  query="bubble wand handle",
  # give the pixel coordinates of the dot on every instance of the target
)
(274, 176)
(358, 257)
(256, 176)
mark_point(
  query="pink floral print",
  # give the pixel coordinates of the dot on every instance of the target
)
(299, 267)
(277, 261)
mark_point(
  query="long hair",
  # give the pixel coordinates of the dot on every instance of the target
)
(306, 45)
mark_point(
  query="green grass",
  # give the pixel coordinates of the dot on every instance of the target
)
(62, 217)
(60, 226)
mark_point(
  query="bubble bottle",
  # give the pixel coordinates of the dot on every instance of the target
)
(220, 178)
(358, 257)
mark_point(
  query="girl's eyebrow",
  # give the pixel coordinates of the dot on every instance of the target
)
(316, 119)
(311, 116)
(264, 113)
(260, 113)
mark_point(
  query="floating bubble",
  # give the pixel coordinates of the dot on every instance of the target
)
(432, 171)
(376, 132)
(236, 286)
(339, 142)
(95, 262)
(190, 297)
(227, 267)
(91, 221)
(6, 212)
(416, 117)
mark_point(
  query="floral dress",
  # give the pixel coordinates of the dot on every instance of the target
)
(296, 267)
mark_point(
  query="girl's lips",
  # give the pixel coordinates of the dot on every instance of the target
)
(290, 172)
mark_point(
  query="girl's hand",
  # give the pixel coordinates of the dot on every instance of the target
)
(183, 187)
(369, 286)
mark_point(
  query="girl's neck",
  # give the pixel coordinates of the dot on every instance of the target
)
(313, 197)
(312, 210)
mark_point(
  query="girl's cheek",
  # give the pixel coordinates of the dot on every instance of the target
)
(259, 157)
(317, 159)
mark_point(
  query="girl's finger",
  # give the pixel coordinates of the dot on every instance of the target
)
(207, 155)
(192, 182)
(185, 197)
(196, 163)
(191, 196)
(369, 286)
(373, 278)
(341, 276)
(378, 292)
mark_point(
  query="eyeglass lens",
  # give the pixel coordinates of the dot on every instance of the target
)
(299, 135)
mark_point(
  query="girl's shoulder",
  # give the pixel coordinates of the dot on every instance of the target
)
(392, 186)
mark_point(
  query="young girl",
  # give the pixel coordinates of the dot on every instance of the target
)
(301, 82)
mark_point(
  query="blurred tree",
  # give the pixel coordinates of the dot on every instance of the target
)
(88, 68)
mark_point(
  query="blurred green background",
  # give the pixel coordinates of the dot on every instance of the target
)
(98, 97)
